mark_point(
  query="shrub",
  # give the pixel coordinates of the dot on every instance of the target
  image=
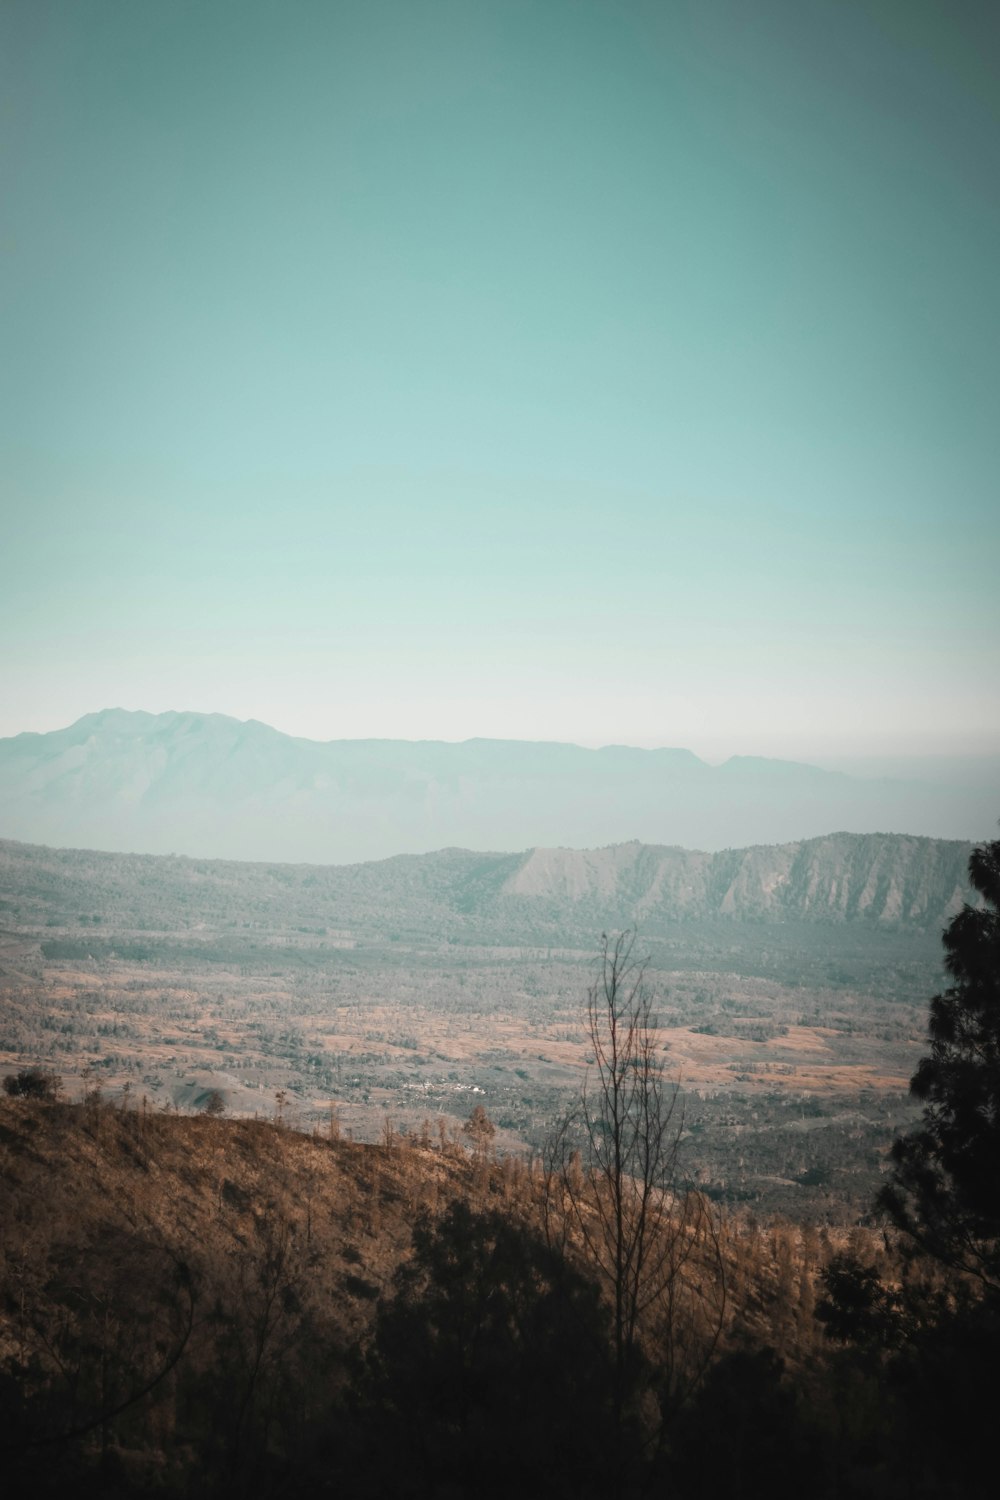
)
(33, 1083)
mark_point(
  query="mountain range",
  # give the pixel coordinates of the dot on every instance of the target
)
(210, 786)
(877, 880)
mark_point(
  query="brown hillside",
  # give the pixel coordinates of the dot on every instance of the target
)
(186, 1296)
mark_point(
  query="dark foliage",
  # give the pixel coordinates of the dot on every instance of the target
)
(33, 1083)
(490, 1372)
(946, 1188)
(942, 1393)
(746, 1434)
(858, 1307)
(923, 1337)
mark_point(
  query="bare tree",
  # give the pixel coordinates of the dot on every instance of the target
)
(646, 1235)
(480, 1129)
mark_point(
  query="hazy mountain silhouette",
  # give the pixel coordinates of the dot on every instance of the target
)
(212, 786)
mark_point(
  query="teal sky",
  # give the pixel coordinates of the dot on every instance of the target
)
(609, 372)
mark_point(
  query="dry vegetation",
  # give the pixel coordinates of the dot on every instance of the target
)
(170, 979)
(193, 1293)
(206, 1307)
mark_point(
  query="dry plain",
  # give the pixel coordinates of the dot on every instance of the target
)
(164, 982)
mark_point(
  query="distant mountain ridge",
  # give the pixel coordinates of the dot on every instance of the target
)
(882, 880)
(211, 786)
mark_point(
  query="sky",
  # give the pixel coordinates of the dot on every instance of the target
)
(606, 372)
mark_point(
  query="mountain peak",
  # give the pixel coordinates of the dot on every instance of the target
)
(207, 785)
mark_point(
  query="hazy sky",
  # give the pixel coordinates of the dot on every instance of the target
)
(558, 370)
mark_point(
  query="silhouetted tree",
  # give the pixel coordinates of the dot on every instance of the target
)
(490, 1369)
(928, 1335)
(33, 1083)
(857, 1306)
(632, 1135)
(744, 1435)
(644, 1233)
(946, 1174)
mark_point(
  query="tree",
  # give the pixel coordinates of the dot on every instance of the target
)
(858, 1307)
(767, 1447)
(489, 1371)
(33, 1083)
(642, 1232)
(945, 1191)
(480, 1129)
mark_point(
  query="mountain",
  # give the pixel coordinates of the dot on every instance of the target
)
(211, 786)
(879, 880)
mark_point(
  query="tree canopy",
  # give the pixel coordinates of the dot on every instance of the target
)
(489, 1371)
(946, 1174)
(33, 1083)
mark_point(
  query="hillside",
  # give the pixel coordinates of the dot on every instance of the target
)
(791, 985)
(884, 879)
(210, 1309)
(209, 786)
(229, 1266)
(190, 1306)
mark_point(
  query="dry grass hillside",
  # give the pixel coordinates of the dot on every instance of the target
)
(189, 1296)
(229, 1309)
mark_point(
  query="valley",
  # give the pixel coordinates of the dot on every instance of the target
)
(399, 995)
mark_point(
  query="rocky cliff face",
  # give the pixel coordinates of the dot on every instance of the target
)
(880, 878)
